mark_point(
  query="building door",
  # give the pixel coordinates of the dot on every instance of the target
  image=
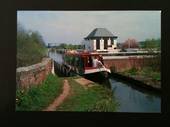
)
(97, 44)
(105, 43)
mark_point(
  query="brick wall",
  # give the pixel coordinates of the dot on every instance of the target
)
(125, 63)
(34, 74)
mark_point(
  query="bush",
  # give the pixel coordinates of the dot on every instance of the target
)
(30, 47)
(133, 71)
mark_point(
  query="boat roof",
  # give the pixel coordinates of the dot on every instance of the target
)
(83, 53)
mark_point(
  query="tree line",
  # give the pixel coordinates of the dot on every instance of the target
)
(69, 46)
(148, 44)
(30, 47)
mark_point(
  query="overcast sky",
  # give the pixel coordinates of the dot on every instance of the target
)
(73, 26)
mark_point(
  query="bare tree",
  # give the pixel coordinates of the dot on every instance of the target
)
(130, 43)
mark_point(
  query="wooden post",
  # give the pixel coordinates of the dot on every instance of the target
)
(53, 72)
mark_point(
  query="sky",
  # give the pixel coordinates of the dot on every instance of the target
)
(72, 26)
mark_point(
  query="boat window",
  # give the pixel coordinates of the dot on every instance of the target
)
(85, 62)
(89, 62)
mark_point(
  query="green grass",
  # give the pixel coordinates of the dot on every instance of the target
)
(39, 97)
(96, 98)
(132, 71)
(156, 76)
(147, 72)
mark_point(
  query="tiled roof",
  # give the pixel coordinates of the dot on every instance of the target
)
(100, 32)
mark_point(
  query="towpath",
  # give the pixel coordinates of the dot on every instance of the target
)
(61, 98)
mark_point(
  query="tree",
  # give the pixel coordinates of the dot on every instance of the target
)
(69, 46)
(151, 44)
(30, 48)
(63, 46)
(130, 43)
(37, 37)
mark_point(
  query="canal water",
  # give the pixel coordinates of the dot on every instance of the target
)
(56, 57)
(135, 99)
(130, 98)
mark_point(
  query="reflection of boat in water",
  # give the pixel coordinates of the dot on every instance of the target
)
(82, 63)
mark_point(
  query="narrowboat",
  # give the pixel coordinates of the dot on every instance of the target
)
(82, 63)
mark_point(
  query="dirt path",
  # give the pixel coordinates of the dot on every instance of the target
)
(84, 82)
(61, 98)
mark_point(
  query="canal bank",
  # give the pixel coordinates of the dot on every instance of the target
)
(137, 82)
(131, 97)
(52, 95)
(88, 96)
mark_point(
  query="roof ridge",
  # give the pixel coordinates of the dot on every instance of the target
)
(101, 32)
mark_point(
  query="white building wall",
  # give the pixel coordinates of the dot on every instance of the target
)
(109, 41)
(115, 42)
(94, 44)
(90, 45)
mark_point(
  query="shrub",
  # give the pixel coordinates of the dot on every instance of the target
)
(30, 47)
(133, 71)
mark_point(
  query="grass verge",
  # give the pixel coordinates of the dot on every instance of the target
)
(147, 72)
(38, 97)
(96, 98)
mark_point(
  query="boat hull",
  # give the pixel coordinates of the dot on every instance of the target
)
(99, 78)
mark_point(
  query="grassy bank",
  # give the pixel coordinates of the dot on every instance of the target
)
(147, 75)
(39, 97)
(145, 72)
(96, 98)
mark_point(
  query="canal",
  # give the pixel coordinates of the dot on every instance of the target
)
(135, 99)
(129, 97)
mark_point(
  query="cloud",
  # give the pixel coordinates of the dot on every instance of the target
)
(73, 26)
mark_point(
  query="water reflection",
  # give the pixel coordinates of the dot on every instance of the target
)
(133, 100)
(56, 57)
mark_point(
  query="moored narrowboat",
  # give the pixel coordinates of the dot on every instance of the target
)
(84, 63)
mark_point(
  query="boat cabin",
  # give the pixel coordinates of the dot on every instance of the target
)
(83, 62)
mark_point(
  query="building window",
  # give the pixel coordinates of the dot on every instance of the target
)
(97, 44)
(112, 41)
(105, 44)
